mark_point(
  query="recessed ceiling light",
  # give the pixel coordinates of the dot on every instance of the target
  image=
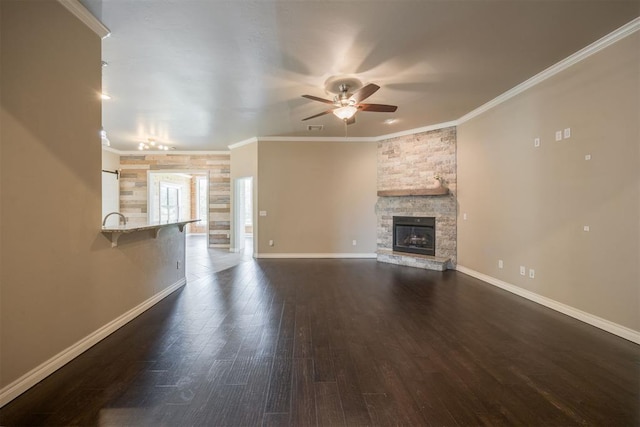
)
(390, 121)
(104, 96)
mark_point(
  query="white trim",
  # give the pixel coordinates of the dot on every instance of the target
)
(34, 376)
(83, 14)
(571, 60)
(316, 255)
(242, 143)
(598, 322)
(317, 139)
(113, 150)
(171, 152)
(219, 245)
(418, 130)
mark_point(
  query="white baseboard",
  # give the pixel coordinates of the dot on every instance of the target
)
(598, 322)
(312, 255)
(33, 377)
(220, 246)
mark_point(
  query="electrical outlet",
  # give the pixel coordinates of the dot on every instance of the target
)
(532, 273)
(587, 157)
(523, 270)
(536, 142)
(567, 133)
(464, 216)
(270, 242)
(586, 228)
(559, 135)
(500, 264)
(354, 242)
(262, 213)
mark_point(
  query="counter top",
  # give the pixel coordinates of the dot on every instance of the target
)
(116, 232)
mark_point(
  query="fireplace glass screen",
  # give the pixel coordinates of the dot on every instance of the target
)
(414, 235)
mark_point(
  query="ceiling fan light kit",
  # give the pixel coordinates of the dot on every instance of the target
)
(347, 104)
(345, 113)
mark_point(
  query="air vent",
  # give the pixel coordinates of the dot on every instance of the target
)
(314, 128)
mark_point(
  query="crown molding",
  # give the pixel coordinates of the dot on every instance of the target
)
(417, 130)
(582, 54)
(172, 152)
(242, 143)
(317, 139)
(113, 150)
(83, 14)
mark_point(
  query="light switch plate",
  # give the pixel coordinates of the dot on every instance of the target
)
(559, 135)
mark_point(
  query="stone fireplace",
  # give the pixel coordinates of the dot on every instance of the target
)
(408, 190)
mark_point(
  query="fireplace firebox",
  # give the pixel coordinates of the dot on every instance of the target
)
(414, 234)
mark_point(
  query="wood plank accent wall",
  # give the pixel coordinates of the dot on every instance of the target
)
(134, 189)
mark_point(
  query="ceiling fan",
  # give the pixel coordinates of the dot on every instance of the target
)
(347, 104)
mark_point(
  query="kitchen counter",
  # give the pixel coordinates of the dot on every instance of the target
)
(114, 233)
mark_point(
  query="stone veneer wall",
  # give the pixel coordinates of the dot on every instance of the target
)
(134, 189)
(410, 162)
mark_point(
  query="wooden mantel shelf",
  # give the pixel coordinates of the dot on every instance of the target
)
(439, 191)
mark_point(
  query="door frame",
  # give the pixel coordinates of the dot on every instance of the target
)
(178, 171)
(239, 210)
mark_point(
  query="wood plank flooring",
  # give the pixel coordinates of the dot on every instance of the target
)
(342, 343)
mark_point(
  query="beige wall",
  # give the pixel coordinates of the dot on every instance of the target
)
(60, 279)
(244, 163)
(528, 205)
(319, 196)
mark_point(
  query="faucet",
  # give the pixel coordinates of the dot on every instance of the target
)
(124, 218)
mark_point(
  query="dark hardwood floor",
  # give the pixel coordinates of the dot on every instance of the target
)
(342, 342)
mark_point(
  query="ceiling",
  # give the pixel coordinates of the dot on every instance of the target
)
(203, 74)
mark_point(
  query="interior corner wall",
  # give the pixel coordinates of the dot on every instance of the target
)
(244, 164)
(319, 197)
(529, 206)
(61, 281)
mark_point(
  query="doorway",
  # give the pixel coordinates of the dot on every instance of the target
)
(243, 215)
(175, 196)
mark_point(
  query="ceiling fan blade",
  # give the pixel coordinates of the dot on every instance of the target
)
(351, 121)
(378, 108)
(318, 115)
(315, 98)
(365, 92)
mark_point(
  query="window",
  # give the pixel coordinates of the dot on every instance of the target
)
(169, 202)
